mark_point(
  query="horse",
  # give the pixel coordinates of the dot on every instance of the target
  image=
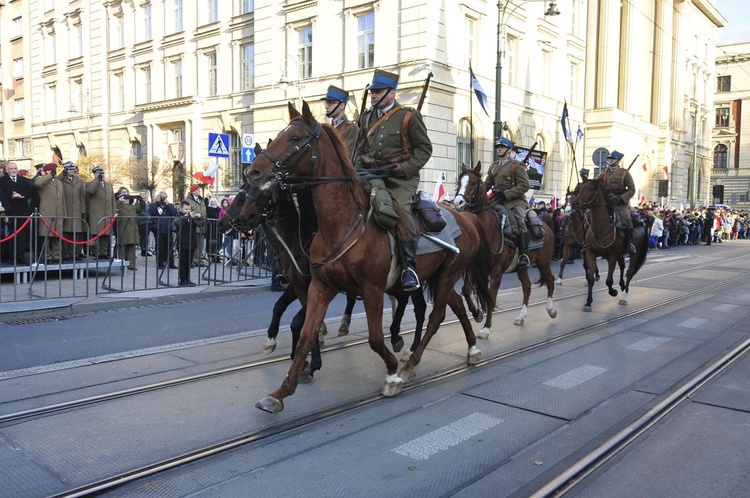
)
(574, 233)
(603, 239)
(289, 232)
(350, 253)
(471, 196)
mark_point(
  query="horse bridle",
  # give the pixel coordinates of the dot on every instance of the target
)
(472, 202)
(587, 207)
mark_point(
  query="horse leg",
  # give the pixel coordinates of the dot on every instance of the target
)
(318, 299)
(347, 318)
(372, 296)
(590, 266)
(282, 303)
(545, 269)
(610, 276)
(297, 322)
(475, 311)
(397, 342)
(457, 306)
(420, 309)
(523, 277)
(621, 264)
(495, 280)
(563, 262)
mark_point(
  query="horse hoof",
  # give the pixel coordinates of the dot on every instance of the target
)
(552, 313)
(306, 376)
(587, 309)
(407, 375)
(484, 333)
(391, 389)
(405, 356)
(596, 278)
(270, 405)
(623, 302)
(612, 292)
(398, 346)
(478, 316)
(343, 330)
(518, 321)
(558, 281)
(269, 346)
(474, 355)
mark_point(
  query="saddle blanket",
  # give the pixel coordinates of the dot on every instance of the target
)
(448, 234)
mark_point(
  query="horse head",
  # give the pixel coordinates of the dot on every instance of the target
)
(591, 194)
(469, 188)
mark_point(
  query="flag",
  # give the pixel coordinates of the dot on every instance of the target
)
(439, 191)
(209, 175)
(553, 204)
(644, 166)
(643, 199)
(666, 169)
(564, 117)
(481, 96)
(579, 134)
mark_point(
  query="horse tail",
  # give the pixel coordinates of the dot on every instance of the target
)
(478, 274)
(642, 251)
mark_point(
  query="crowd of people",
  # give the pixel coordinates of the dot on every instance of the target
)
(79, 219)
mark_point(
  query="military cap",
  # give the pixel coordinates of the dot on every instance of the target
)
(584, 171)
(337, 94)
(384, 79)
(97, 170)
(615, 155)
(50, 167)
(39, 166)
(504, 142)
(69, 165)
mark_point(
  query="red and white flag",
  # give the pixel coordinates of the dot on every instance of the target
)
(644, 166)
(209, 175)
(666, 169)
(439, 191)
(553, 204)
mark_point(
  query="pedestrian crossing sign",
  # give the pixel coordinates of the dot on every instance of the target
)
(218, 145)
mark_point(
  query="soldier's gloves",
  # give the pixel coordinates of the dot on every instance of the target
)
(500, 194)
(614, 199)
(397, 171)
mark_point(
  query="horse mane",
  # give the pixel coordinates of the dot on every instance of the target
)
(346, 164)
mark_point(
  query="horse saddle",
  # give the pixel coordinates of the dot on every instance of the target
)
(428, 216)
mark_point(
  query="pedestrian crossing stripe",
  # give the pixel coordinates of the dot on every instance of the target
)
(218, 147)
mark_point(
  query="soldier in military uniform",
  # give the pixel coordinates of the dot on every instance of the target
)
(197, 205)
(74, 194)
(395, 139)
(335, 101)
(620, 187)
(509, 182)
(100, 210)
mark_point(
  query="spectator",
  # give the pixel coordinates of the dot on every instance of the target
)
(74, 195)
(100, 211)
(141, 209)
(195, 200)
(127, 228)
(16, 190)
(228, 242)
(186, 227)
(52, 210)
(162, 212)
(212, 229)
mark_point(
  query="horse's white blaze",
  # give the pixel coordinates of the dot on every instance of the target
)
(460, 198)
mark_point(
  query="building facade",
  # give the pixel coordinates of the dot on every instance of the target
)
(138, 85)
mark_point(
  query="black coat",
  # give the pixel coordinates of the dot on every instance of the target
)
(16, 207)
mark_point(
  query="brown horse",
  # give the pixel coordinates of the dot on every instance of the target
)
(603, 239)
(574, 236)
(350, 253)
(472, 196)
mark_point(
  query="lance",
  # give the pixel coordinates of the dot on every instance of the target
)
(363, 107)
(634, 159)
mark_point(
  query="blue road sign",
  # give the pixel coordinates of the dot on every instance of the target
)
(218, 145)
(248, 154)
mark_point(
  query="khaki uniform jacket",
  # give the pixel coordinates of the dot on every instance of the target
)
(75, 203)
(127, 224)
(348, 131)
(499, 178)
(198, 206)
(618, 182)
(101, 204)
(51, 203)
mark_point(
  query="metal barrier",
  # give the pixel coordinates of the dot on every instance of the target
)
(42, 261)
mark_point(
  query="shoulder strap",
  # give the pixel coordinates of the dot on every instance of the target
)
(513, 165)
(382, 118)
(404, 125)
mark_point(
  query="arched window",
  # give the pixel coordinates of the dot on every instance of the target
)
(136, 151)
(720, 157)
(464, 144)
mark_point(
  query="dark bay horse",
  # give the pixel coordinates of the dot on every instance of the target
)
(574, 236)
(603, 239)
(350, 253)
(472, 196)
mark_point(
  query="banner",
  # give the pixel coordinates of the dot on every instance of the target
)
(535, 166)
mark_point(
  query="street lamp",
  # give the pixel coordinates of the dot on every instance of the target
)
(693, 162)
(502, 10)
(284, 82)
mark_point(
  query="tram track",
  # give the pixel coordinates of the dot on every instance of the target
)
(279, 430)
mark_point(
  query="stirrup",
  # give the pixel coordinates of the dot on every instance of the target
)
(523, 260)
(409, 280)
(632, 249)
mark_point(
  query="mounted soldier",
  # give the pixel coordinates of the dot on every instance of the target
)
(508, 180)
(395, 141)
(335, 101)
(620, 187)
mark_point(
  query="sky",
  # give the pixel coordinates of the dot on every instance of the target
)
(737, 29)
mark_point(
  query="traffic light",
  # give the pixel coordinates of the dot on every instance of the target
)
(663, 188)
(719, 193)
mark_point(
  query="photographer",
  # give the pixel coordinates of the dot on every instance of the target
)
(162, 212)
(186, 227)
(100, 210)
(127, 229)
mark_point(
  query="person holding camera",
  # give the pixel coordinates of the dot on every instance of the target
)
(52, 210)
(186, 227)
(101, 209)
(161, 213)
(197, 204)
(74, 195)
(127, 228)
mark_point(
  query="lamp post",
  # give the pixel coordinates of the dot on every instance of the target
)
(502, 17)
(284, 82)
(693, 162)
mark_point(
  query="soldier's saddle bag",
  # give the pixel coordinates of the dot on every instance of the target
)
(429, 215)
(536, 228)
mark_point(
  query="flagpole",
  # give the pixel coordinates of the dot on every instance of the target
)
(471, 118)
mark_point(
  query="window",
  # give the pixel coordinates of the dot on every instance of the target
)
(470, 33)
(247, 65)
(464, 144)
(720, 156)
(366, 40)
(17, 27)
(76, 41)
(722, 117)
(213, 11)
(723, 83)
(305, 52)
(177, 73)
(50, 102)
(49, 5)
(117, 32)
(136, 151)
(49, 49)
(212, 82)
(18, 109)
(76, 97)
(574, 79)
(145, 83)
(146, 22)
(246, 6)
(18, 68)
(511, 47)
(177, 16)
(117, 91)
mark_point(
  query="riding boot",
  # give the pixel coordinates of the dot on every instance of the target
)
(627, 237)
(409, 277)
(523, 248)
